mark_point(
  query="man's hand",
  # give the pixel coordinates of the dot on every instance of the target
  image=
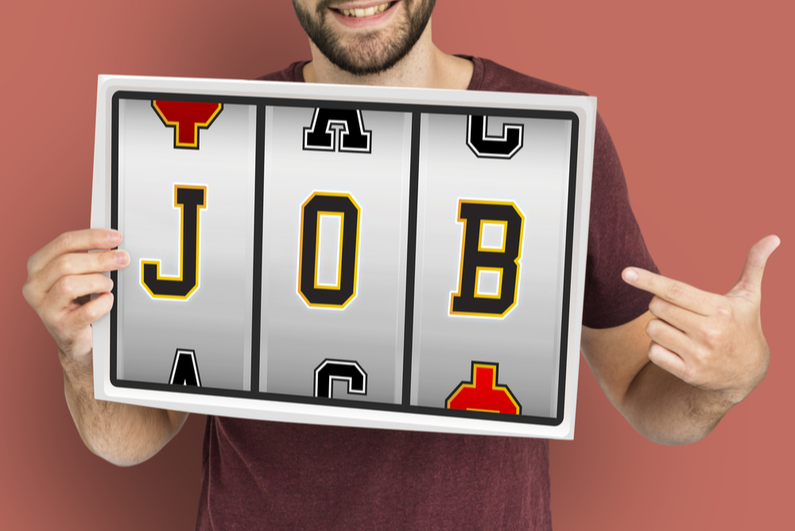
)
(712, 342)
(61, 278)
(707, 353)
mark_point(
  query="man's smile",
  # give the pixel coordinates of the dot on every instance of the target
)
(358, 12)
(363, 14)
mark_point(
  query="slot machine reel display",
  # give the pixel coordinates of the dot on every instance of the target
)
(359, 256)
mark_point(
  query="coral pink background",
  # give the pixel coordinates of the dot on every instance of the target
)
(697, 96)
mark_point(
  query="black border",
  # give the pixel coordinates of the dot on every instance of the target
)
(411, 256)
(416, 110)
(256, 285)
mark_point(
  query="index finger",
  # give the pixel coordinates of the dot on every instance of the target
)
(73, 242)
(678, 293)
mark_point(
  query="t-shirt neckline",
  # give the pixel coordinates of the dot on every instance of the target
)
(474, 83)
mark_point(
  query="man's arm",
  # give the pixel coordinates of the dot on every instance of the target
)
(676, 370)
(61, 278)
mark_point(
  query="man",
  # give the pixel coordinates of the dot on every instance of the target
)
(671, 358)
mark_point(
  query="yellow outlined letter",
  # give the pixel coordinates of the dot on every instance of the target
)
(325, 295)
(190, 199)
(478, 258)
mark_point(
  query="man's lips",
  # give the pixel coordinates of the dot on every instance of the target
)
(357, 15)
(363, 10)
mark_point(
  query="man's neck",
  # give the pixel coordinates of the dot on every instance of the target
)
(425, 66)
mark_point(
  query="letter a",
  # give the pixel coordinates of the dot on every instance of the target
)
(350, 135)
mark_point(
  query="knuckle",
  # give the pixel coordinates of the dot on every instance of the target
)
(96, 283)
(101, 261)
(65, 241)
(707, 360)
(656, 305)
(653, 328)
(31, 264)
(67, 288)
(714, 339)
(97, 238)
(674, 291)
(705, 356)
(724, 311)
(96, 309)
(654, 350)
(63, 266)
(658, 354)
(27, 292)
(69, 265)
(32, 294)
(89, 312)
(105, 261)
(712, 335)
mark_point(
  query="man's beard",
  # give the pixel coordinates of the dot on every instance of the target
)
(369, 54)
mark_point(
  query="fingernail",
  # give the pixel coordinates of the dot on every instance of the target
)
(121, 257)
(630, 275)
(114, 236)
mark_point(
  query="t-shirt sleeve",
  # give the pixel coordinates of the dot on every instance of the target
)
(614, 242)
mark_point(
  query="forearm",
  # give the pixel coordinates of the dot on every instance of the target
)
(122, 434)
(660, 406)
(666, 410)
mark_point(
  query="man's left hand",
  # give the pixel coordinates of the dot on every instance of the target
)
(712, 342)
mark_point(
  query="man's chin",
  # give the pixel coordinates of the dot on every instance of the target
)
(364, 55)
(367, 64)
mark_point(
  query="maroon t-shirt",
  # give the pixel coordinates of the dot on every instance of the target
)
(269, 475)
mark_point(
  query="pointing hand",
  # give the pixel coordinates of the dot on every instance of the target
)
(713, 342)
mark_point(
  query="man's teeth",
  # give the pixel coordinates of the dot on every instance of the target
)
(370, 11)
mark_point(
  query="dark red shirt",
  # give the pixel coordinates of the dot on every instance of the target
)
(274, 476)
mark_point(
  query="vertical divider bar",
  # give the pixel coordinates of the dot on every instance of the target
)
(411, 256)
(256, 285)
(114, 224)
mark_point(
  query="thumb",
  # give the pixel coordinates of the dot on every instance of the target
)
(751, 277)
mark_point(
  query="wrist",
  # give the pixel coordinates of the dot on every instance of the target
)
(78, 370)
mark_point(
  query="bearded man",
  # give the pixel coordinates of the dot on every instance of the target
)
(671, 358)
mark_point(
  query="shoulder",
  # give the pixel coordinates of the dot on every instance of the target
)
(294, 72)
(490, 76)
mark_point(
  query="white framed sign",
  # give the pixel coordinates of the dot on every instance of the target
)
(345, 255)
